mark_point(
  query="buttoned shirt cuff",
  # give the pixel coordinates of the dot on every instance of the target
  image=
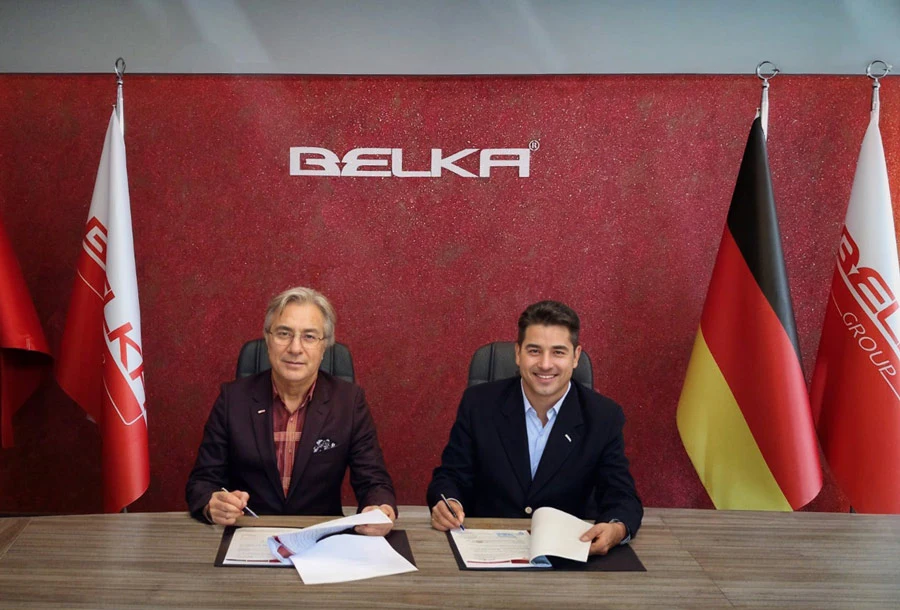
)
(458, 502)
(627, 537)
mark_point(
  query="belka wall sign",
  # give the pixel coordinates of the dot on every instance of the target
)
(387, 162)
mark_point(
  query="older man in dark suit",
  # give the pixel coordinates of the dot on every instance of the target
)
(539, 440)
(281, 441)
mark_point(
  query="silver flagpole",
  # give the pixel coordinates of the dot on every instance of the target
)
(763, 112)
(120, 113)
(120, 102)
(876, 81)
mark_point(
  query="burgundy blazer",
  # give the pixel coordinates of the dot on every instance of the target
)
(238, 451)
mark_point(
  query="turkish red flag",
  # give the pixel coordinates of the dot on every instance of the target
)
(855, 390)
(101, 363)
(24, 354)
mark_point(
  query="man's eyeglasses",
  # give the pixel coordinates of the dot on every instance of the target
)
(282, 336)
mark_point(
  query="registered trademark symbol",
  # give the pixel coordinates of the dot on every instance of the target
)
(534, 145)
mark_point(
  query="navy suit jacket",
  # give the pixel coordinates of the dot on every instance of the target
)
(582, 471)
(238, 451)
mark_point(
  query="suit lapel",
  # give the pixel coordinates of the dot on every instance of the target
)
(317, 413)
(261, 400)
(565, 437)
(510, 422)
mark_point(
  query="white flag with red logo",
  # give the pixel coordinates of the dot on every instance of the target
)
(101, 363)
(856, 385)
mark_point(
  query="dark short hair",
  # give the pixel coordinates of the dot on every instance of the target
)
(550, 313)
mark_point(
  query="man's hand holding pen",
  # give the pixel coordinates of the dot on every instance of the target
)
(225, 506)
(447, 514)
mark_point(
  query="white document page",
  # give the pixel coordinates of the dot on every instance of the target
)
(495, 548)
(301, 540)
(555, 532)
(249, 547)
(346, 557)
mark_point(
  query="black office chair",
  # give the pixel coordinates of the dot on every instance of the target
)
(498, 361)
(254, 358)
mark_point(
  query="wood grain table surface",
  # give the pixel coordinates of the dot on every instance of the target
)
(694, 559)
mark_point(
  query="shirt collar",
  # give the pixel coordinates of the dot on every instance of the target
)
(306, 399)
(555, 408)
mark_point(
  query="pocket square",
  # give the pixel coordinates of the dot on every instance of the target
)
(324, 444)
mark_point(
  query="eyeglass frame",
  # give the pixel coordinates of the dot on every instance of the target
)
(307, 338)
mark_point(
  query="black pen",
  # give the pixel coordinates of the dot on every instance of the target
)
(248, 509)
(452, 512)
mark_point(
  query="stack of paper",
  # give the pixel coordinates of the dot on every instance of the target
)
(249, 546)
(340, 557)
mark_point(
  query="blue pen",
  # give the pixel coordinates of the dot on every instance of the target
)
(452, 512)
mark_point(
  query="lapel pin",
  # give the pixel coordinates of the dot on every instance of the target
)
(260, 411)
(568, 438)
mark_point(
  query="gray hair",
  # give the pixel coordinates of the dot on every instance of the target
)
(301, 295)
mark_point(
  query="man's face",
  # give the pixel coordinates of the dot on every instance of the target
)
(546, 359)
(296, 362)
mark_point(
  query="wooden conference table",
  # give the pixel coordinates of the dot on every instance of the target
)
(694, 559)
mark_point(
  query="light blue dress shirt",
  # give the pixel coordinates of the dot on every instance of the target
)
(538, 433)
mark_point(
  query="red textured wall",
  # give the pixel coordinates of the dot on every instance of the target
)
(620, 218)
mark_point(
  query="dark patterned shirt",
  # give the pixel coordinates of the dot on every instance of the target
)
(287, 428)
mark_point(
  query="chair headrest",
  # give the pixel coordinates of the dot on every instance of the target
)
(254, 358)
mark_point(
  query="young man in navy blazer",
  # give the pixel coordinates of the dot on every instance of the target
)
(539, 439)
(281, 441)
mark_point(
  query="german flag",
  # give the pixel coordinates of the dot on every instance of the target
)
(744, 414)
